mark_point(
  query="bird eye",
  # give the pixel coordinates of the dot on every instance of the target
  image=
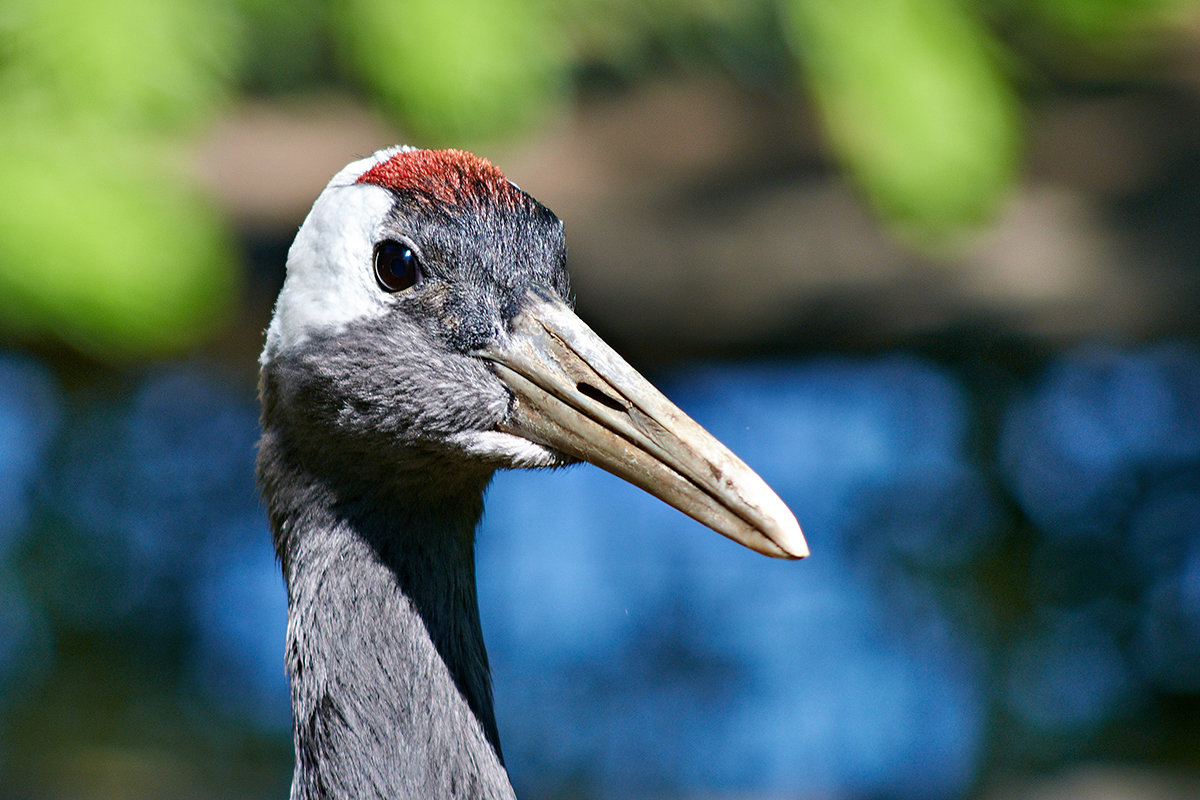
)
(396, 266)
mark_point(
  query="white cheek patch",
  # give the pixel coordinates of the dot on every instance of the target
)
(330, 282)
(511, 451)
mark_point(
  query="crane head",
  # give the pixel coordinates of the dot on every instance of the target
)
(425, 321)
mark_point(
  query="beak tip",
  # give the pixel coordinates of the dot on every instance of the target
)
(778, 525)
(790, 539)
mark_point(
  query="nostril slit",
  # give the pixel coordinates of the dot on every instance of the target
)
(587, 390)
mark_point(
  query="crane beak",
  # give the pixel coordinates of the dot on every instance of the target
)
(574, 394)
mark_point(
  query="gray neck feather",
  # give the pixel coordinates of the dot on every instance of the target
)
(391, 690)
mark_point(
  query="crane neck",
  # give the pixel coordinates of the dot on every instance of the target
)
(391, 690)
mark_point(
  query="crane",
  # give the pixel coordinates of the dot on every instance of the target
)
(424, 338)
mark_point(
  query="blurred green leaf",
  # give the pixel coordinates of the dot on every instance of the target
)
(631, 37)
(101, 245)
(1105, 21)
(454, 71)
(1096, 40)
(98, 247)
(913, 105)
(137, 62)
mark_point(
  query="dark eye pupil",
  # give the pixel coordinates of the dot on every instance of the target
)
(396, 266)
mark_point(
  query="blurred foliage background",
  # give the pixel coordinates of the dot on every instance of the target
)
(931, 266)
